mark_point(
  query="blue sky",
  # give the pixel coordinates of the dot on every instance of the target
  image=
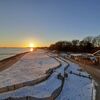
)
(46, 21)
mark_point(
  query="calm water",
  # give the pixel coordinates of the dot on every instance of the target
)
(8, 52)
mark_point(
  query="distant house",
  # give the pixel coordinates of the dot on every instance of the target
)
(97, 55)
(89, 58)
(76, 56)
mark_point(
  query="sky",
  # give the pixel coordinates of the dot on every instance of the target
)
(43, 22)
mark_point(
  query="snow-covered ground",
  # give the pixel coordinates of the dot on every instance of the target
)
(41, 90)
(30, 67)
(44, 89)
(76, 87)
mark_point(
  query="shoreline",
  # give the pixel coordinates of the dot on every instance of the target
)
(7, 62)
(31, 82)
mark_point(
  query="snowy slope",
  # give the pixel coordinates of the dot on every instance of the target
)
(30, 67)
(76, 87)
(41, 90)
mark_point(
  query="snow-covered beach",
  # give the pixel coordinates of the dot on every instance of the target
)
(30, 67)
(34, 65)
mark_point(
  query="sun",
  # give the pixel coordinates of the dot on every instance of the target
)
(31, 45)
(31, 49)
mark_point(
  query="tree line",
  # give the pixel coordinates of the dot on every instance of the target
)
(88, 44)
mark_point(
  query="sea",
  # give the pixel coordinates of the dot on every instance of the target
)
(8, 52)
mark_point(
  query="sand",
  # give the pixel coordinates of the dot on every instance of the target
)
(6, 63)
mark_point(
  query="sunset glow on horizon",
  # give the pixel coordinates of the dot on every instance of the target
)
(31, 45)
(31, 49)
(22, 44)
(43, 23)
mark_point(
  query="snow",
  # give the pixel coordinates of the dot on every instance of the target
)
(75, 68)
(94, 89)
(76, 54)
(30, 67)
(43, 89)
(76, 87)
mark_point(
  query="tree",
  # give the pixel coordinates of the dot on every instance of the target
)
(96, 41)
(88, 39)
(75, 42)
(88, 44)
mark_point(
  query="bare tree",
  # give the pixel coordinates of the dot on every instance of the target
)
(96, 41)
(88, 39)
(75, 42)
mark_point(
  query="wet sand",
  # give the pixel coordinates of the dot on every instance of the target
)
(5, 63)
